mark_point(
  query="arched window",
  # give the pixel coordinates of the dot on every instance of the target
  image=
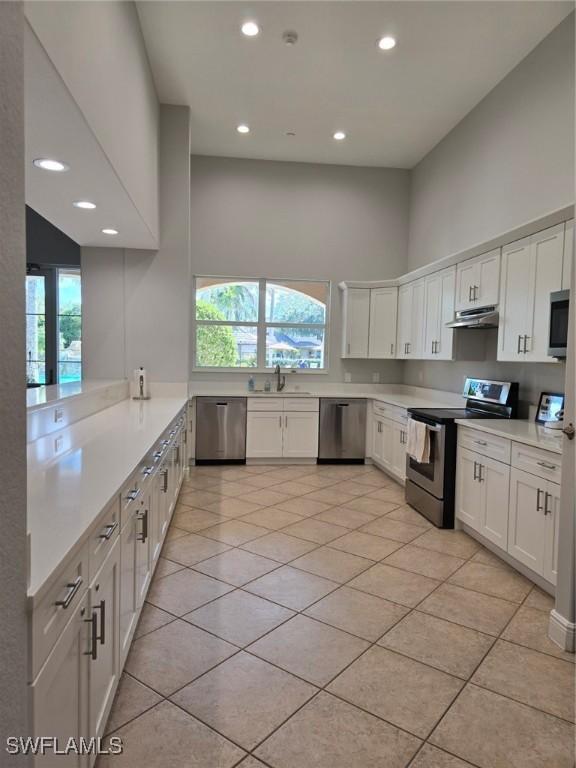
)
(242, 323)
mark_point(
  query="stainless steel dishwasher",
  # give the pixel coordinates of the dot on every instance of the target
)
(342, 430)
(221, 430)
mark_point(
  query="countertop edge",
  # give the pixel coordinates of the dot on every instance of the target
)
(481, 426)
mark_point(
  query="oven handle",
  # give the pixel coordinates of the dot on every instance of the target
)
(431, 427)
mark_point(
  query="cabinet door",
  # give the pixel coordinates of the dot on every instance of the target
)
(568, 260)
(128, 591)
(547, 249)
(495, 484)
(487, 292)
(552, 509)
(300, 438)
(445, 341)
(356, 322)
(517, 299)
(404, 329)
(264, 434)
(60, 692)
(388, 444)
(416, 348)
(468, 491)
(466, 278)
(433, 301)
(383, 312)
(104, 669)
(399, 436)
(527, 521)
(377, 441)
(143, 549)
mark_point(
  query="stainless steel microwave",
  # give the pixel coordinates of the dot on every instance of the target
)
(558, 340)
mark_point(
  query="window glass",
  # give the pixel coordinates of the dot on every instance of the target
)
(69, 325)
(295, 347)
(226, 346)
(226, 299)
(296, 301)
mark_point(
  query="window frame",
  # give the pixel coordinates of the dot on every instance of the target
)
(261, 325)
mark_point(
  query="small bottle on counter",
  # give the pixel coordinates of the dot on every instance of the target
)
(251, 384)
(267, 386)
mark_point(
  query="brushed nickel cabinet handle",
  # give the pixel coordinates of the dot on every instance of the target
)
(518, 350)
(539, 506)
(108, 531)
(475, 470)
(547, 496)
(93, 621)
(546, 465)
(73, 588)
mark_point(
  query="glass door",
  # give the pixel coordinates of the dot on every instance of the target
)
(39, 365)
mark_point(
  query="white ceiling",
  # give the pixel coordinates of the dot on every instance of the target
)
(394, 106)
(56, 128)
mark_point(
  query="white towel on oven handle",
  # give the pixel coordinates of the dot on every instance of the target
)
(418, 444)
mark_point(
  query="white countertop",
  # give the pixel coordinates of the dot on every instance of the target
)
(393, 394)
(518, 430)
(40, 397)
(73, 474)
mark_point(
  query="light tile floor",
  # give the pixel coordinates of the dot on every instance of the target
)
(306, 617)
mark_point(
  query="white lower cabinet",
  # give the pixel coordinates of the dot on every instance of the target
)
(533, 523)
(515, 509)
(104, 626)
(300, 435)
(389, 445)
(280, 434)
(482, 487)
(73, 688)
(60, 691)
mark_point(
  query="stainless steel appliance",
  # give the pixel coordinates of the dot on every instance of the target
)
(342, 430)
(220, 430)
(558, 338)
(430, 487)
(483, 317)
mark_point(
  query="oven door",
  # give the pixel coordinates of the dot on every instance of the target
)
(430, 476)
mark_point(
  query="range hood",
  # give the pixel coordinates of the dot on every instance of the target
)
(483, 317)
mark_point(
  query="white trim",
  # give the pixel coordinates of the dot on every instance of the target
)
(562, 632)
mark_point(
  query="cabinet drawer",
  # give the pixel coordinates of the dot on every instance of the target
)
(301, 404)
(541, 463)
(265, 404)
(57, 606)
(103, 537)
(131, 490)
(492, 446)
(389, 411)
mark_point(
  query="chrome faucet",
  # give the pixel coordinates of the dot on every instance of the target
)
(281, 381)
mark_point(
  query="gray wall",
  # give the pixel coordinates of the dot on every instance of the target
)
(533, 377)
(136, 304)
(13, 549)
(271, 219)
(509, 161)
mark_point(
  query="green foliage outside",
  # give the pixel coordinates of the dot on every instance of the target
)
(70, 325)
(215, 345)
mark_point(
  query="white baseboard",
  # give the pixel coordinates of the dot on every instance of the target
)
(562, 632)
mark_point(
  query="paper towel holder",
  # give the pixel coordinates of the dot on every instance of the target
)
(140, 385)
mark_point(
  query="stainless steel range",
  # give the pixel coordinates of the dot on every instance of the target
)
(430, 486)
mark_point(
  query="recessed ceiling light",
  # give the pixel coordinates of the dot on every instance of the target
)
(243, 128)
(250, 29)
(386, 43)
(86, 204)
(339, 135)
(109, 231)
(50, 165)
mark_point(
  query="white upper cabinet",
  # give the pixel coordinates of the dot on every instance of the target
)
(568, 254)
(383, 312)
(438, 339)
(531, 269)
(355, 322)
(478, 281)
(410, 333)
